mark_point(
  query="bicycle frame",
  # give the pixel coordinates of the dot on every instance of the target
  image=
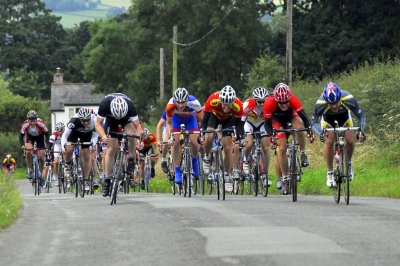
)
(186, 160)
(341, 166)
(294, 167)
(119, 165)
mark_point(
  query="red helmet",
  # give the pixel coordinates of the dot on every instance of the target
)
(282, 93)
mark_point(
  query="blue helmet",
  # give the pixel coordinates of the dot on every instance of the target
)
(332, 92)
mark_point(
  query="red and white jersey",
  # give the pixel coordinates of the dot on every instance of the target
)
(252, 113)
(36, 130)
(55, 138)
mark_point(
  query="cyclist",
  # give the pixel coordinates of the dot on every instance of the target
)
(148, 144)
(118, 109)
(254, 121)
(225, 109)
(81, 126)
(185, 109)
(335, 105)
(279, 110)
(162, 136)
(8, 164)
(34, 130)
(55, 145)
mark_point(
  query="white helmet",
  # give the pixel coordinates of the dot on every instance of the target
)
(60, 126)
(260, 93)
(181, 95)
(227, 95)
(84, 113)
(119, 107)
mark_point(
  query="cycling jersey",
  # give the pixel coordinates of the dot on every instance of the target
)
(342, 116)
(75, 129)
(55, 140)
(252, 113)
(214, 115)
(277, 118)
(187, 116)
(214, 105)
(148, 143)
(8, 162)
(34, 133)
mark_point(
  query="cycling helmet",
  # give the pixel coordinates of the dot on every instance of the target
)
(332, 93)
(119, 107)
(146, 133)
(260, 94)
(84, 113)
(181, 95)
(282, 93)
(227, 95)
(8, 156)
(32, 115)
(60, 126)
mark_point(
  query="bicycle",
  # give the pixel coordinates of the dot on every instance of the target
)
(36, 179)
(77, 181)
(49, 176)
(186, 160)
(62, 181)
(147, 168)
(119, 168)
(294, 167)
(258, 166)
(217, 171)
(244, 183)
(170, 166)
(341, 166)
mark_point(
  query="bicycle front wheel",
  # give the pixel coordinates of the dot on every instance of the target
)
(221, 177)
(262, 168)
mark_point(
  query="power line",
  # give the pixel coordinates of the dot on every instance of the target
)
(205, 35)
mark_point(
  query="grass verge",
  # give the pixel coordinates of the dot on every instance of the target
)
(10, 201)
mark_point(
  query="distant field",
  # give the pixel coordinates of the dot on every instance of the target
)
(70, 19)
(117, 3)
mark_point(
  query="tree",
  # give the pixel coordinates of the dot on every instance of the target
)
(338, 35)
(29, 38)
(125, 50)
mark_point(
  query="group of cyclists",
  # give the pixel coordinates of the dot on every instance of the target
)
(263, 113)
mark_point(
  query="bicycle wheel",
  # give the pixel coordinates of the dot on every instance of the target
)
(262, 168)
(48, 181)
(210, 183)
(346, 185)
(116, 173)
(189, 172)
(338, 177)
(293, 173)
(201, 176)
(254, 173)
(221, 176)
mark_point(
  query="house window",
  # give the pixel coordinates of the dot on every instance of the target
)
(71, 112)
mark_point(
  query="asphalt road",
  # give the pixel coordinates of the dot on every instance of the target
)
(162, 229)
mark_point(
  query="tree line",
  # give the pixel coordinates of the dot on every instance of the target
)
(220, 42)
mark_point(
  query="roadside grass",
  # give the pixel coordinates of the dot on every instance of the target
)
(10, 201)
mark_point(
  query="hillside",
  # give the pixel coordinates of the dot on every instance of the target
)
(72, 12)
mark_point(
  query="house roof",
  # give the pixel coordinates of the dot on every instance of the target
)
(73, 94)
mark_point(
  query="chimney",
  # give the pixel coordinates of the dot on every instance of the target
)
(58, 76)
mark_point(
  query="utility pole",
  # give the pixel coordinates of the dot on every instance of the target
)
(161, 75)
(289, 47)
(175, 59)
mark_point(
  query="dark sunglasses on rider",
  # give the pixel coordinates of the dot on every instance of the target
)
(85, 120)
(284, 102)
(260, 102)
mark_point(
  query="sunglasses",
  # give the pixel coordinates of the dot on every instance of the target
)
(260, 102)
(181, 102)
(85, 120)
(284, 102)
(32, 120)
